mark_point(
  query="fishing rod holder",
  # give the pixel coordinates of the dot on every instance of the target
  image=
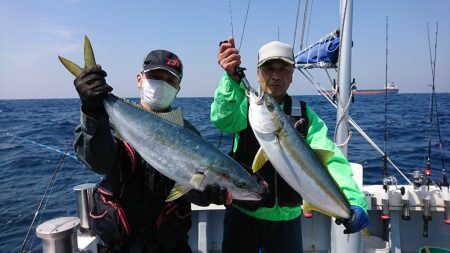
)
(426, 216)
(85, 204)
(405, 204)
(446, 197)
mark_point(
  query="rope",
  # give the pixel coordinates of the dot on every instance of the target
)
(296, 22)
(322, 91)
(305, 14)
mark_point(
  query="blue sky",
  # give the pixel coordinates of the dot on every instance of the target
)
(33, 33)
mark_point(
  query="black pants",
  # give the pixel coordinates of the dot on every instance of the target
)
(245, 234)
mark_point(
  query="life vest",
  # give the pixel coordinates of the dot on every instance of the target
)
(248, 145)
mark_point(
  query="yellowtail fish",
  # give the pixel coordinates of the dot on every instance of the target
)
(303, 168)
(172, 149)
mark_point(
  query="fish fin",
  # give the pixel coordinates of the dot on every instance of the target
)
(177, 191)
(323, 155)
(89, 59)
(175, 116)
(197, 179)
(310, 207)
(70, 66)
(259, 161)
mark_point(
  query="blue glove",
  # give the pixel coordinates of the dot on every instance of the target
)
(359, 220)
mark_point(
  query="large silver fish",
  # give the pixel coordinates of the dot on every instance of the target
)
(172, 149)
(299, 165)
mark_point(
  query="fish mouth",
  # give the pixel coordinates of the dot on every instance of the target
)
(250, 196)
(259, 98)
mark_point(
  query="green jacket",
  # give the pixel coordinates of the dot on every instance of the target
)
(229, 114)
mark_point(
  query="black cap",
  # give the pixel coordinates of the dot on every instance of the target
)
(162, 59)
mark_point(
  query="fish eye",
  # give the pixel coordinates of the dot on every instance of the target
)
(270, 107)
(241, 185)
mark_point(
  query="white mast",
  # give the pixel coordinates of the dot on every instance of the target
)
(341, 242)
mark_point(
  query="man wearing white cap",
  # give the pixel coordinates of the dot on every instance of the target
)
(272, 224)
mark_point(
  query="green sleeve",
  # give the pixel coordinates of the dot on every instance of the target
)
(229, 108)
(338, 166)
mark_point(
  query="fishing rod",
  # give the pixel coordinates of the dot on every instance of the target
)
(426, 196)
(385, 217)
(44, 196)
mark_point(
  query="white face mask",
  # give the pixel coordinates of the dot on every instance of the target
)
(157, 93)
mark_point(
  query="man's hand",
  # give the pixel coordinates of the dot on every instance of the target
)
(92, 87)
(359, 221)
(214, 194)
(228, 57)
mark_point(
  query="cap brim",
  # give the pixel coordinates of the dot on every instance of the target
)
(276, 58)
(163, 68)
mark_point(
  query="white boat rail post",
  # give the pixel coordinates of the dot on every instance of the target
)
(86, 239)
(84, 204)
(341, 242)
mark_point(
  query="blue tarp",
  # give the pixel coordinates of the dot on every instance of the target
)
(323, 54)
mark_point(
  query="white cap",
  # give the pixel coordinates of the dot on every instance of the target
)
(276, 50)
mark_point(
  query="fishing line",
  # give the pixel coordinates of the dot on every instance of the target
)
(44, 146)
(245, 23)
(44, 196)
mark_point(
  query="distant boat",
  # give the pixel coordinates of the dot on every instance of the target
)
(390, 88)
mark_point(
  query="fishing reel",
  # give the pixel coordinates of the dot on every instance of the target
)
(390, 180)
(417, 178)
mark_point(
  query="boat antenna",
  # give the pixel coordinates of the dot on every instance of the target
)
(44, 198)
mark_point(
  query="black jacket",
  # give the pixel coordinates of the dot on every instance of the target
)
(156, 226)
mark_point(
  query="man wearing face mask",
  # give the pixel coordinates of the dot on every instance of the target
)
(130, 213)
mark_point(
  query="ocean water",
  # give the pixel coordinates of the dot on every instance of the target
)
(34, 133)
